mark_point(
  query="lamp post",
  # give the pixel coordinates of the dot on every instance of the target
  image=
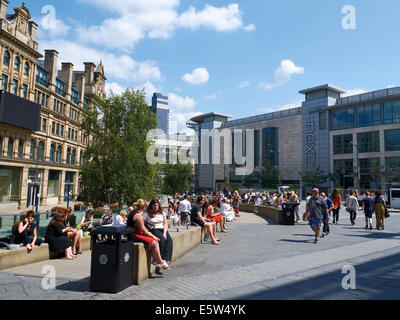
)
(68, 184)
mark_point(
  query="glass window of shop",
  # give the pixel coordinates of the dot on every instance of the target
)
(344, 173)
(53, 183)
(20, 149)
(9, 184)
(10, 150)
(369, 115)
(40, 151)
(370, 173)
(392, 140)
(58, 155)
(343, 144)
(270, 147)
(69, 181)
(343, 119)
(392, 169)
(391, 112)
(52, 152)
(368, 142)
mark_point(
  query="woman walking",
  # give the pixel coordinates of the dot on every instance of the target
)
(337, 203)
(367, 205)
(379, 206)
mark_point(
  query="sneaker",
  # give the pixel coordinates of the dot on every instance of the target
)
(323, 235)
(370, 228)
(366, 227)
(316, 240)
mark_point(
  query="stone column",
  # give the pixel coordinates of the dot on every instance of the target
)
(45, 185)
(23, 188)
(5, 146)
(61, 187)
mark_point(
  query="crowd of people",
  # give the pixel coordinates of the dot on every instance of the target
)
(149, 222)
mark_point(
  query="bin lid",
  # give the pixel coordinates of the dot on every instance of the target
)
(112, 230)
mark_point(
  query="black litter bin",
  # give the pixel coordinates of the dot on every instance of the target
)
(111, 267)
(287, 217)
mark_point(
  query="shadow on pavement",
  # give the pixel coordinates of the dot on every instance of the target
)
(375, 235)
(375, 280)
(297, 241)
(82, 285)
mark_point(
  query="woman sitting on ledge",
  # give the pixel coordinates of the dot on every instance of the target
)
(57, 236)
(217, 217)
(74, 234)
(26, 233)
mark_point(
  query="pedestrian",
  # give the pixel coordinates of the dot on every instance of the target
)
(352, 207)
(296, 204)
(367, 205)
(337, 204)
(329, 205)
(316, 210)
(235, 203)
(184, 210)
(379, 207)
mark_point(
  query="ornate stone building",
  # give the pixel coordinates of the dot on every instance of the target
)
(40, 154)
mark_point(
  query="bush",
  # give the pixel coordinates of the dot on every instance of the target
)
(59, 209)
(98, 213)
(78, 206)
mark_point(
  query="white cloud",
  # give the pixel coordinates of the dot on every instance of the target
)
(181, 110)
(197, 77)
(114, 88)
(180, 103)
(121, 67)
(283, 74)
(210, 97)
(295, 104)
(138, 19)
(243, 84)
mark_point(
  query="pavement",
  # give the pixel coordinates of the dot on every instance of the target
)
(257, 260)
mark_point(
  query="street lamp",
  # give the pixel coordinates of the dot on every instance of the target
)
(68, 184)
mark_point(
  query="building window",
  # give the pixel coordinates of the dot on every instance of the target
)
(20, 149)
(44, 125)
(322, 120)
(343, 119)
(25, 90)
(392, 166)
(6, 58)
(68, 159)
(58, 129)
(60, 87)
(270, 147)
(392, 140)
(370, 175)
(10, 151)
(52, 152)
(343, 144)
(369, 115)
(62, 131)
(17, 63)
(26, 69)
(368, 142)
(75, 96)
(53, 183)
(40, 151)
(5, 82)
(15, 87)
(344, 173)
(73, 157)
(32, 151)
(58, 155)
(391, 112)
(42, 77)
(53, 128)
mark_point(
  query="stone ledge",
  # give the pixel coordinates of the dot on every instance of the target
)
(184, 241)
(272, 213)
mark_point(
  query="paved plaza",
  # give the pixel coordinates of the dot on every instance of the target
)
(257, 259)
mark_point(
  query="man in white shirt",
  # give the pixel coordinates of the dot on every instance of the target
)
(352, 207)
(184, 210)
(258, 201)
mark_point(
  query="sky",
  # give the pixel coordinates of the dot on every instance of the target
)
(240, 58)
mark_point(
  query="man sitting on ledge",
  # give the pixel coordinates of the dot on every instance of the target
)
(197, 219)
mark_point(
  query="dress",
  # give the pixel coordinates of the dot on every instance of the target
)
(57, 240)
(138, 235)
(26, 237)
(210, 212)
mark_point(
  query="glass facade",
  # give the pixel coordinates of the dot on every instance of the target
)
(322, 120)
(75, 96)
(256, 148)
(370, 173)
(391, 112)
(344, 173)
(343, 119)
(369, 115)
(42, 77)
(270, 156)
(9, 183)
(343, 144)
(60, 87)
(17, 63)
(53, 184)
(392, 169)
(392, 140)
(368, 142)
(5, 82)
(6, 58)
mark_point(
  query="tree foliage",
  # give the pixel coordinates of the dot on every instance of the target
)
(176, 178)
(116, 169)
(314, 177)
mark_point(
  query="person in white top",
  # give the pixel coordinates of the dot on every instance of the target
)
(184, 210)
(258, 202)
(227, 211)
(121, 219)
(352, 207)
(155, 221)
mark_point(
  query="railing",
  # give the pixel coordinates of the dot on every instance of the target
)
(369, 96)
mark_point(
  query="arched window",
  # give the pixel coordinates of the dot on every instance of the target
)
(17, 63)
(58, 155)
(6, 58)
(26, 69)
(20, 149)
(52, 152)
(32, 152)
(10, 151)
(68, 160)
(73, 156)
(40, 151)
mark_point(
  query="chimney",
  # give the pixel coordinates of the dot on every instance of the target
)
(79, 84)
(50, 65)
(65, 75)
(89, 71)
(33, 27)
(3, 9)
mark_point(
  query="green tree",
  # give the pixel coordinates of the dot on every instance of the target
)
(116, 169)
(314, 177)
(176, 178)
(252, 180)
(269, 177)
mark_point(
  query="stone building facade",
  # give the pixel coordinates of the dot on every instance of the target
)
(43, 163)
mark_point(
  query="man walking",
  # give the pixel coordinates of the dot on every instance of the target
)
(352, 207)
(316, 210)
(184, 210)
(329, 205)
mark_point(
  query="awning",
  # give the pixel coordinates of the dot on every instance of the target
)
(19, 112)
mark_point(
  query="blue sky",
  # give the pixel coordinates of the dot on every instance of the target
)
(236, 57)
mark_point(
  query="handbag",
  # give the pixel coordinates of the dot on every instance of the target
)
(348, 209)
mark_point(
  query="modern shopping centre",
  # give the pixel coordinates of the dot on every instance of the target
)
(355, 138)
